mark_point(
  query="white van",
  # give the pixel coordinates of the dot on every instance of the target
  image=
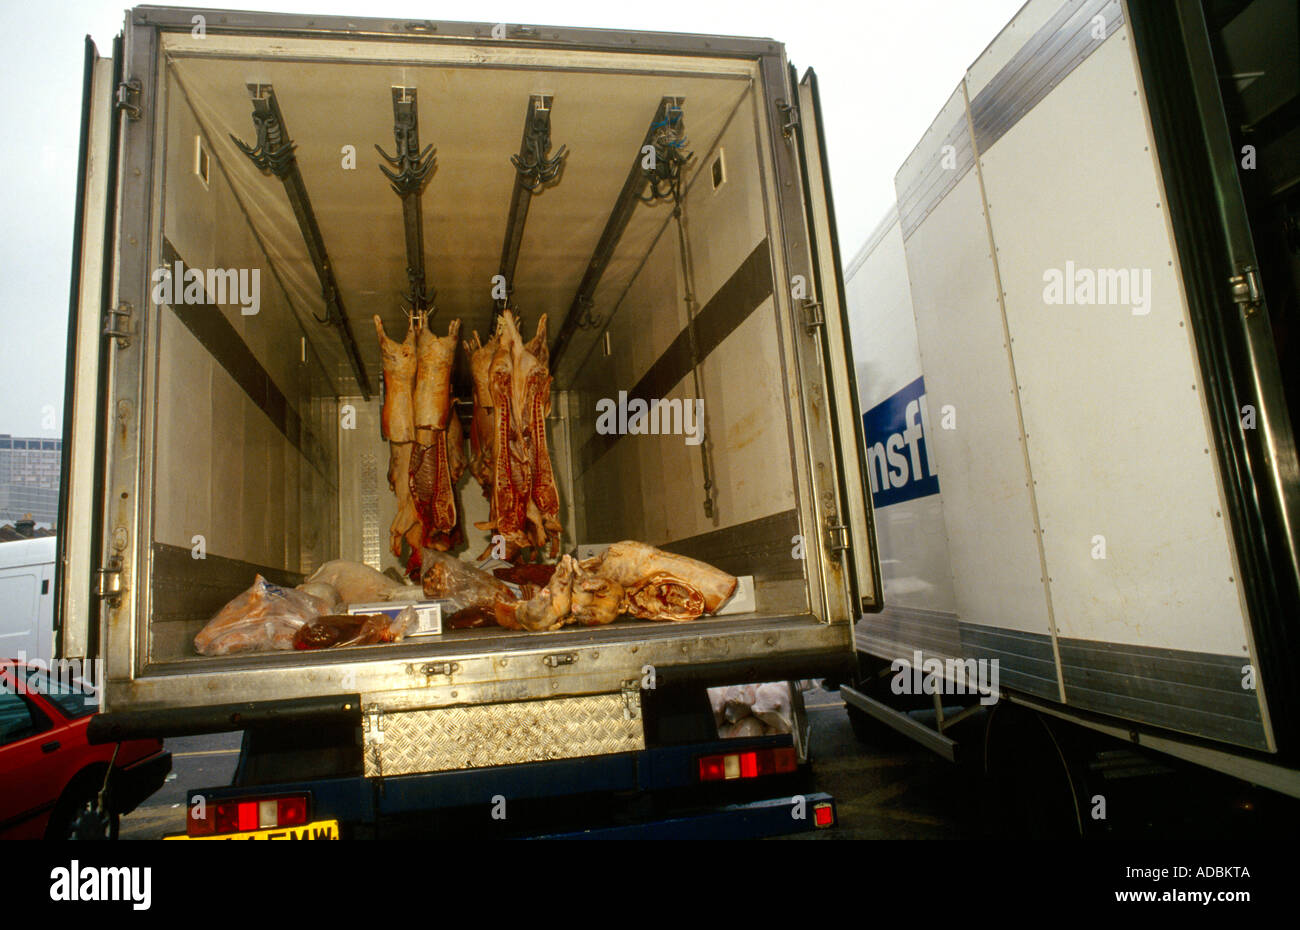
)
(27, 598)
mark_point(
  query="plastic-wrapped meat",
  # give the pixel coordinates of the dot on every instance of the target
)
(471, 618)
(263, 618)
(447, 577)
(772, 706)
(397, 419)
(338, 630)
(526, 573)
(663, 586)
(360, 584)
(718, 701)
(748, 726)
(325, 592)
(738, 701)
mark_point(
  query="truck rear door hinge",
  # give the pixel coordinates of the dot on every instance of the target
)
(108, 582)
(440, 668)
(813, 316)
(127, 98)
(791, 115)
(837, 536)
(117, 324)
(1246, 290)
(556, 659)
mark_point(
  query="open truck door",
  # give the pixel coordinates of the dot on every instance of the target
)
(826, 316)
(76, 606)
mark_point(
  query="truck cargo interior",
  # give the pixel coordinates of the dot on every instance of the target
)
(267, 455)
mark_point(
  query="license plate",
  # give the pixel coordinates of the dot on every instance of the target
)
(316, 830)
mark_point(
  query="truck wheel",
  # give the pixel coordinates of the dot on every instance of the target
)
(1031, 788)
(78, 815)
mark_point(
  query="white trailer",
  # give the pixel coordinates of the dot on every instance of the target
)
(1075, 392)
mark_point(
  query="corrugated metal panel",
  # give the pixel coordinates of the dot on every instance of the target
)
(1188, 691)
(444, 739)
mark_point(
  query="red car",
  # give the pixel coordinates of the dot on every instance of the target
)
(50, 776)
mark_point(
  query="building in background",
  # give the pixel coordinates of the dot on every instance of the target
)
(29, 478)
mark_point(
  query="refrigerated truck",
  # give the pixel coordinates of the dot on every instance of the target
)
(213, 437)
(1075, 337)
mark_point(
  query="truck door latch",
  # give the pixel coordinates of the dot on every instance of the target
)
(631, 699)
(557, 659)
(127, 98)
(108, 582)
(440, 668)
(1245, 290)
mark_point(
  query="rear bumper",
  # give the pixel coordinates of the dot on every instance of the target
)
(135, 782)
(771, 817)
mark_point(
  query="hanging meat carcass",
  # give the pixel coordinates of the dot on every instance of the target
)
(397, 419)
(520, 483)
(431, 480)
(397, 422)
(482, 440)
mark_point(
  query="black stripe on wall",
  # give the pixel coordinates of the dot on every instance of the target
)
(760, 547)
(216, 334)
(739, 296)
(186, 588)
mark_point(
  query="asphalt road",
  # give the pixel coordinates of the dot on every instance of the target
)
(891, 789)
(197, 762)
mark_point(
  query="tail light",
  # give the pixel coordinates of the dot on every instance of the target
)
(753, 763)
(246, 814)
(824, 814)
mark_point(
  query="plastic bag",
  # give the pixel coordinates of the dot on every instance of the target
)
(361, 584)
(718, 701)
(448, 578)
(772, 706)
(263, 618)
(326, 592)
(339, 630)
(739, 701)
(748, 726)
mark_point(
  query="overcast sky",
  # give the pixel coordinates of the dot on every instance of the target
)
(884, 70)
